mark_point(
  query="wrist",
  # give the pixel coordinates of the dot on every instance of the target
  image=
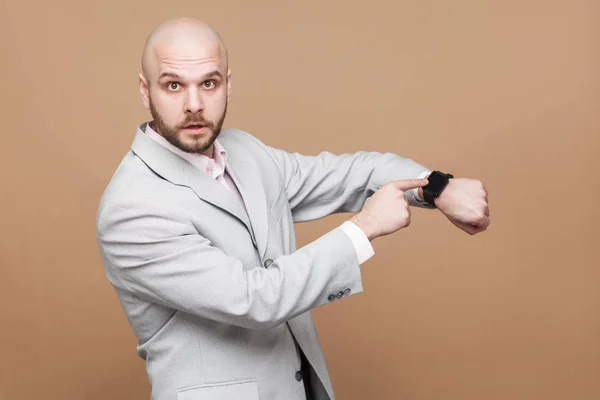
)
(366, 224)
(420, 196)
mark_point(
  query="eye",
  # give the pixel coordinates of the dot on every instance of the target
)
(208, 84)
(173, 86)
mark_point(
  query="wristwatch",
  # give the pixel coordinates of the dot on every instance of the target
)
(436, 185)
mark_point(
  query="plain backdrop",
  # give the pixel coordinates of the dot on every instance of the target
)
(502, 91)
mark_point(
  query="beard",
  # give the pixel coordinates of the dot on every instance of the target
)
(175, 136)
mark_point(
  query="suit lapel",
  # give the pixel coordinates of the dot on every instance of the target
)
(180, 172)
(249, 184)
(215, 193)
(245, 176)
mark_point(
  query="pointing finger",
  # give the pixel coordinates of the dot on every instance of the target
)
(408, 184)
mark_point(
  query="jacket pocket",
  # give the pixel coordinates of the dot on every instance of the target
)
(234, 390)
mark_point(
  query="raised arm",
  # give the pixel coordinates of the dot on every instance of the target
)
(327, 183)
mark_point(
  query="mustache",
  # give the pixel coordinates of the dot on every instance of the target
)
(195, 119)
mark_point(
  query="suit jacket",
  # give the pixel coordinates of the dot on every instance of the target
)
(218, 297)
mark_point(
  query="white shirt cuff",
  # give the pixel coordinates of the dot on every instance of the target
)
(416, 190)
(362, 245)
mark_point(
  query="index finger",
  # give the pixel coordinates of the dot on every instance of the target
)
(407, 184)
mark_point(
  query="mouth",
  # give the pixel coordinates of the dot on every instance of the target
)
(194, 129)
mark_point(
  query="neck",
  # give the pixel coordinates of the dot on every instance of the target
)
(210, 152)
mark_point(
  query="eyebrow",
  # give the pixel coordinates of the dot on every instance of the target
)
(175, 76)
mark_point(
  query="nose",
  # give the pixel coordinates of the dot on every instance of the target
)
(193, 101)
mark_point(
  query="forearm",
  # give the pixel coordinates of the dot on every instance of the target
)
(325, 184)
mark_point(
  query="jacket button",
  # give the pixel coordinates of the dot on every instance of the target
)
(298, 376)
(347, 291)
(268, 262)
(340, 294)
(331, 297)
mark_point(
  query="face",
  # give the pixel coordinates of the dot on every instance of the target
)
(187, 94)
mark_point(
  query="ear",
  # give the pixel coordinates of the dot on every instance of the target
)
(228, 84)
(144, 91)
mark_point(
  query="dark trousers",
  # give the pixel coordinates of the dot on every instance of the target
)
(305, 368)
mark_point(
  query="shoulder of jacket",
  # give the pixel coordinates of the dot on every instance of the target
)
(234, 135)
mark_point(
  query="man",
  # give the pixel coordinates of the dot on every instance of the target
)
(196, 232)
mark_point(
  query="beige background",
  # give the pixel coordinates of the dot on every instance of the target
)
(504, 91)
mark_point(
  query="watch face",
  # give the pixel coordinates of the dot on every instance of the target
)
(436, 181)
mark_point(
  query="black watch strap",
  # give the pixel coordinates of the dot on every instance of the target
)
(436, 185)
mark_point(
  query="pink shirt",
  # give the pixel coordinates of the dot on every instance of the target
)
(215, 168)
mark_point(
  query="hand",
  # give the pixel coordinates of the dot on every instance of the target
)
(387, 210)
(464, 202)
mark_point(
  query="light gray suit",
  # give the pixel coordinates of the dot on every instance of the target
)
(219, 297)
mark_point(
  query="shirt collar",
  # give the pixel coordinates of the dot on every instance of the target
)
(214, 166)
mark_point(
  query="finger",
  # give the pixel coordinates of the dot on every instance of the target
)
(477, 230)
(470, 229)
(486, 211)
(408, 184)
(484, 223)
(473, 230)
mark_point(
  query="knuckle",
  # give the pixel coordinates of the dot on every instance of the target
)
(407, 218)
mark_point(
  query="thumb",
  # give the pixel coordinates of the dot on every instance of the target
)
(407, 184)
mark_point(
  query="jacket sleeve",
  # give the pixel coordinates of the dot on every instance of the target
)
(151, 250)
(324, 184)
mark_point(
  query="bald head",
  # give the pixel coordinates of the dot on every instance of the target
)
(186, 83)
(183, 38)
